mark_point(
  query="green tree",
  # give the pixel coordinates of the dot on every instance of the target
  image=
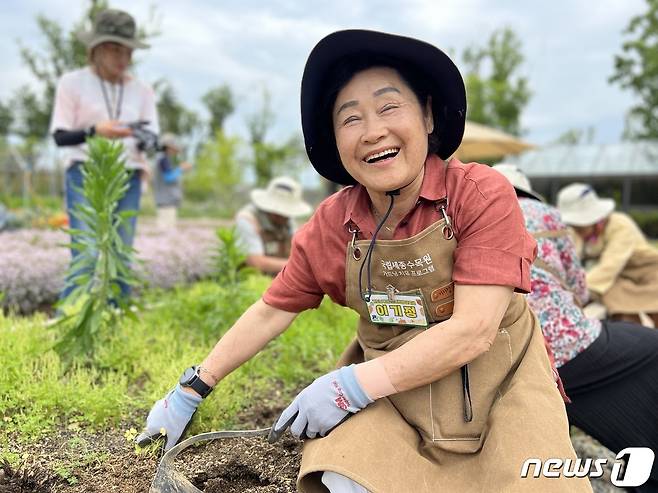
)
(6, 119)
(270, 159)
(220, 104)
(33, 114)
(497, 98)
(61, 52)
(217, 172)
(174, 116)
(637, 69)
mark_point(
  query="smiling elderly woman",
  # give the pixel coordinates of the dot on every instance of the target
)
(447, 386)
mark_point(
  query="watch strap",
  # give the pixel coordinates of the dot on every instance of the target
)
(198, 385)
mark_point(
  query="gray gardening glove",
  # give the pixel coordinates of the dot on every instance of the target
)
(169, 417)
(323, 405)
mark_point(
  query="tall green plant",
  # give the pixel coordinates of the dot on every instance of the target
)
(230, 261)
(103, 258)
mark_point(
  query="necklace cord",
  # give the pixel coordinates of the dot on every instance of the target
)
(114, 115)
(368, 258)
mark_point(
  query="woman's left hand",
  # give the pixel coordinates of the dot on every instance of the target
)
(322, 406)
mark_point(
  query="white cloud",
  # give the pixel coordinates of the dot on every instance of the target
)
(569, 48)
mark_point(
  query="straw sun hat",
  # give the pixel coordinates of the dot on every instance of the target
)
(581, 206)
(283, 196)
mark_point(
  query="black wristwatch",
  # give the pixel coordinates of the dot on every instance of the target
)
(91, 131)
(190, 378)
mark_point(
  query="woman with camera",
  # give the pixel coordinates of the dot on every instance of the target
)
(104, 99)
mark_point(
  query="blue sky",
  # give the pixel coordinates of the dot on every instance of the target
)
(569, 48)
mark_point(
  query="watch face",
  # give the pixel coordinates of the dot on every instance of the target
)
(188, 376)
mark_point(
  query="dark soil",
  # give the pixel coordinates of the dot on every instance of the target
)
(249, 465)
(237, 465)
(22, 480)
(77, 461)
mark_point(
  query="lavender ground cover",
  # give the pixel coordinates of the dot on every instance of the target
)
(33, 262)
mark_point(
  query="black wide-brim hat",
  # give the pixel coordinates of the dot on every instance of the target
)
(446, 87)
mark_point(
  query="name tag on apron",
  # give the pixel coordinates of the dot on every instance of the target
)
(402, 310)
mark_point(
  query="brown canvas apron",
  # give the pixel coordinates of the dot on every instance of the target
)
(419, 441)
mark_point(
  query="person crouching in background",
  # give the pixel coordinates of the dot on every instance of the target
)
(622, 266)
(265, 226)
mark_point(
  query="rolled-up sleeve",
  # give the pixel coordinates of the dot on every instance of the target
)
(295, 288)
(494, 246)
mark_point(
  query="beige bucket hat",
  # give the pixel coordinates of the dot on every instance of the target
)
(114, 26)
(579, 205)
(283, 196)
(518, 180)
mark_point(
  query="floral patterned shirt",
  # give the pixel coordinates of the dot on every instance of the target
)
(558, 286)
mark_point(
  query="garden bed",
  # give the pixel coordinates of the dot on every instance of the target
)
(237, 465)
(33, 262)
(80, 462)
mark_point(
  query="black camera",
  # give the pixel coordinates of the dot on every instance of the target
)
(147, 140)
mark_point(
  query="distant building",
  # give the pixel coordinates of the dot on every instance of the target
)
(627, 172)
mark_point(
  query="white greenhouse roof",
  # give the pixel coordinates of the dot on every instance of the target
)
(595, 160)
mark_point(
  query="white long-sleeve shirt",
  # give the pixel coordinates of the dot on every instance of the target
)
(79, 104)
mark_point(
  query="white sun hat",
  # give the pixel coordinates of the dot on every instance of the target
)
(518, 179)
(283, 196)
(581, 206)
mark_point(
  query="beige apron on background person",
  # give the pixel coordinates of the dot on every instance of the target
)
(622, 267)
(418, 441)
(276, 238)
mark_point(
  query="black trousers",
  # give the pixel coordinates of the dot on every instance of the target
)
(613, 386)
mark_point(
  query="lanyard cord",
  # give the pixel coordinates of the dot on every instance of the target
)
(371, 247)
(117, 109)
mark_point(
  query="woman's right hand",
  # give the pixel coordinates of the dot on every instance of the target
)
(169, 417)
(112, 129)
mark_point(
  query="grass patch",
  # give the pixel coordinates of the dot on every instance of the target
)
(143, 359)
